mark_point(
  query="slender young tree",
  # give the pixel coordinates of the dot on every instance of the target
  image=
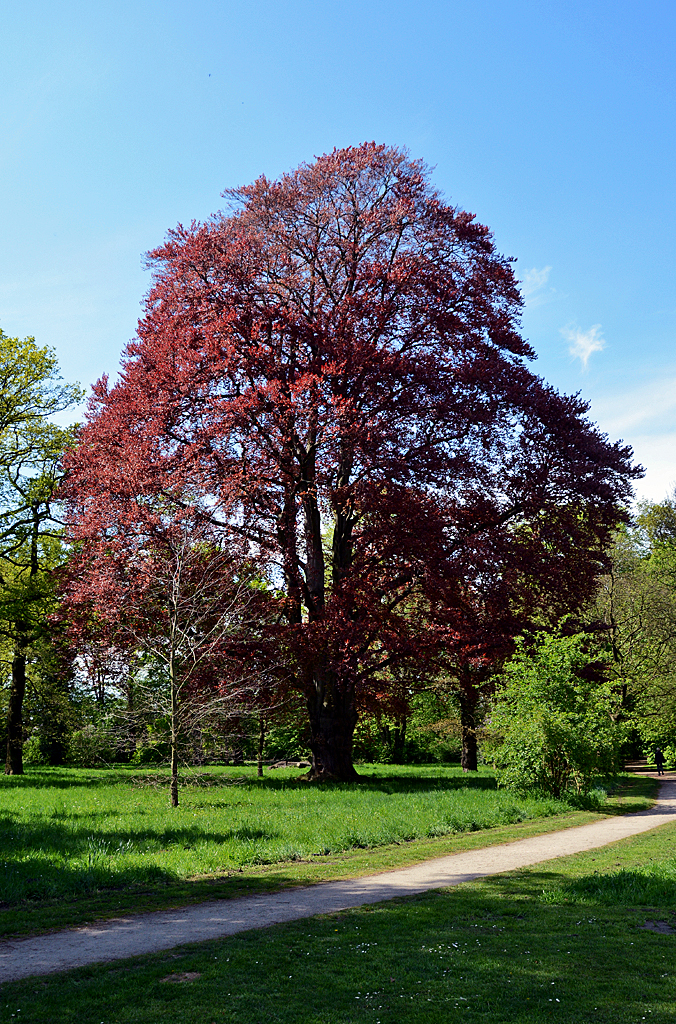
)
(170, 595)
(339, 351)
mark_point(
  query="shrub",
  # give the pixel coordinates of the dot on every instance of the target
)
(150, 755)
(32, 751)
(669, 752)
(553, 722)
(90, 747)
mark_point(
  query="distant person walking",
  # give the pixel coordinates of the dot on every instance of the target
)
(659, 761)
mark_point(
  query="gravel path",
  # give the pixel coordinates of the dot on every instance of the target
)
(148, 933)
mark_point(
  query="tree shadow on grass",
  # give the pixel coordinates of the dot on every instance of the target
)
(44, 880)
(381, 784)
(393, 783)
(48, 860)
(64, 778)
(634, 887)
(53, 836)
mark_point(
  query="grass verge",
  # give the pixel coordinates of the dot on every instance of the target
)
(90, 889)
(559, 942)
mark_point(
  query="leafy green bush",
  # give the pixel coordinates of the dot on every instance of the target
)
(150, 755)
(32, 751)
(658, 736)
(287, 739)
(669, 752)
(427, 733)
(552, 725)
(374, 748)
(90, 747)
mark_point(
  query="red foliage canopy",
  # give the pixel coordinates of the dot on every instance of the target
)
(332, 370)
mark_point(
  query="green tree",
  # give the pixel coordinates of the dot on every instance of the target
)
(637, 604)
(554, 722)
(31, 446)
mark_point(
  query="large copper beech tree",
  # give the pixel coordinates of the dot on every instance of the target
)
(332, 370)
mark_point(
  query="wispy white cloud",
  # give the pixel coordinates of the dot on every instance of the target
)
(533, 280)
(532, 283)
(583, 343)
(656, 453)
(650, 407)
(644, 416)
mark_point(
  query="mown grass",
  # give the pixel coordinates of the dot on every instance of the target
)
(499, 951)
(76, 845)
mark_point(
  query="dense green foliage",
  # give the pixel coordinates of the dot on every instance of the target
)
(31, 447)
(554, 720)
(637, 604)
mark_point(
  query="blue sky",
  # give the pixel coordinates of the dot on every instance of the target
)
(552, 121)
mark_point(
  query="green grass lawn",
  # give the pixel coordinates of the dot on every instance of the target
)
(68, 832)
(563, 941)
(75, 844)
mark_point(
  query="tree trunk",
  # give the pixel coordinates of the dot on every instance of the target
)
(399, 741)
(468, 709)
(332, 720)
(14, 763)
(174, 736)
(100, 685)
(174, 772)
(261, 743)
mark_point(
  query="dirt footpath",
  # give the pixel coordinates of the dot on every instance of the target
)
(148, 933)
